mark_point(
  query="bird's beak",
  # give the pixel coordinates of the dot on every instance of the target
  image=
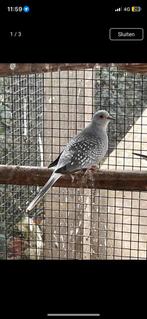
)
(110, 117)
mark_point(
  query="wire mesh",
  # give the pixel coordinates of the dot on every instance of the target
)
(38, 116)
(21, 125)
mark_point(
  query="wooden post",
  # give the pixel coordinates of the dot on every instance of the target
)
(87, 214)
(67, 211)
(47, 148)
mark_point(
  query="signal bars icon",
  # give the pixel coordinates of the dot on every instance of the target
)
(118, 9)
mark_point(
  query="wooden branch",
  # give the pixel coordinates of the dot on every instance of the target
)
(103, 179)
(7, 69)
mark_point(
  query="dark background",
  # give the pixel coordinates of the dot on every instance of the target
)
(32, 289)
(68, 32)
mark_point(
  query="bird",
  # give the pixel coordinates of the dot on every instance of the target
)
(82, 152)
(141, 155)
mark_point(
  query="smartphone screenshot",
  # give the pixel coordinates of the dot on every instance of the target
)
(73, 164)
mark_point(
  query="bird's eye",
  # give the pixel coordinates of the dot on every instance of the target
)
(101, 116)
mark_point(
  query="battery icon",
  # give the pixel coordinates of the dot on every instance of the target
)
(136, 9)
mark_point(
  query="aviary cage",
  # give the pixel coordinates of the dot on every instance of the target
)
(41, 108)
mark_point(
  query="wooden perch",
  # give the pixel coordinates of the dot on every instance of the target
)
(9, 69)
(103, 179)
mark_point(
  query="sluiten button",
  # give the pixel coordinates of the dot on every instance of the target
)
(126, 34)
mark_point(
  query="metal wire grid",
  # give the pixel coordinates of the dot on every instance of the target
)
(77, 223)
(99, 224)
(21, 128)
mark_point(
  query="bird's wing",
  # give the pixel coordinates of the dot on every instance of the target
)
(80, 153)
(54, 163)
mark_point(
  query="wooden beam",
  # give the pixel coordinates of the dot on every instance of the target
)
(9, 69)
(133, 67)
(101, 179)
(128, 67)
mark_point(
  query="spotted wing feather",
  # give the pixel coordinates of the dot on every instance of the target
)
(81, 153)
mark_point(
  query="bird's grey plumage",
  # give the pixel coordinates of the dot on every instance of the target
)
(54, 177)
(84, 150)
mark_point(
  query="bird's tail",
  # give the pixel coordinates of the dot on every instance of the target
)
(141, 155)
(54, 177)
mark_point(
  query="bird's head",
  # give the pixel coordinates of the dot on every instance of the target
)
(102, 118)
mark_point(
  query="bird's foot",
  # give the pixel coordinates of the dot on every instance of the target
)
(72, 177)
(88, 175)
(91, 169)
(94, 168)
